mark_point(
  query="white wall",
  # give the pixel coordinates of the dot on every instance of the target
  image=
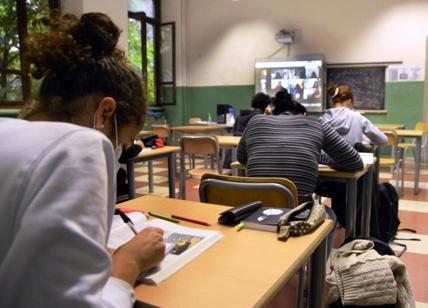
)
(116, 9)
(223, 37)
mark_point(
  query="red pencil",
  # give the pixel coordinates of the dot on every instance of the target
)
(191, 220)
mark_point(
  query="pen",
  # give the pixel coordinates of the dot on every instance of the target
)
(126, 220)
(191, 220)
(164, 217)
(240, 226)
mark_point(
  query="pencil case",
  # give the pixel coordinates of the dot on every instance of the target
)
(237, 214)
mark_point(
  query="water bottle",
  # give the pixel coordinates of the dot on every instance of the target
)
(209, 117)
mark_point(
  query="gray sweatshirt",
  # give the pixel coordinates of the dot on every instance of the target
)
(351, 125)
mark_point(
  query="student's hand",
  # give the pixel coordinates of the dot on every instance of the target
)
(142, 252)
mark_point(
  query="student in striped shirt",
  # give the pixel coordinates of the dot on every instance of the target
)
(289, 146)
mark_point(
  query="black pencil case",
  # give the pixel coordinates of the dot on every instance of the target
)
(237, 214)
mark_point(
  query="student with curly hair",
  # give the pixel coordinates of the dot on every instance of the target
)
(59, 194)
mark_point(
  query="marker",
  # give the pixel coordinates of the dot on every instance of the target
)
(240, 226)
(191, 220)
(164, 217)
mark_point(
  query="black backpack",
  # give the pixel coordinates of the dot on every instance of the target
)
(385, 219)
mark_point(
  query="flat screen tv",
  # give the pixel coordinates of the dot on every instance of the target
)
(303, 77)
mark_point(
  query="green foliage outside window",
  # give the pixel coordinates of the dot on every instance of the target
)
(136, 58)
(10, 61)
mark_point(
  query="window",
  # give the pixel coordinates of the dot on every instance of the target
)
(15, 21)
(147, 50)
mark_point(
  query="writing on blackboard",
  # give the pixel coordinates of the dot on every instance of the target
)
(366, 82)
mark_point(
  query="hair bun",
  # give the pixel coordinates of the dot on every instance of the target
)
(97, 31)
(332, 90)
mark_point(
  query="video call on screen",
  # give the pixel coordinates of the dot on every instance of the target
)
(302, 79)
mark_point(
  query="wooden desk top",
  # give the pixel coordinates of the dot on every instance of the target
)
(158, 151)
(409, 133)
(244, 269)
(145, 133)
(385, 127)
(199, 127)
(324, 170)
(228, 141)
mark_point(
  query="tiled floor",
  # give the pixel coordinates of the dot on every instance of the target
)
(413, 214)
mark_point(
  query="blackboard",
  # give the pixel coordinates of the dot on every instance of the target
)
(366, 82)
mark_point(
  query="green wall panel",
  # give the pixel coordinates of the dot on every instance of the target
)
(403, 101)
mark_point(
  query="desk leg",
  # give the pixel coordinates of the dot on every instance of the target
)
(131, 178)
(367, 202)
(235, 158)
(418, 164)
(351, 207)
(150, 169)
(171, 175)
(182, 189)
(317, 275)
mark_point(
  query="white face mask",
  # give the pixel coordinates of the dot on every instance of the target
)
(118, 147)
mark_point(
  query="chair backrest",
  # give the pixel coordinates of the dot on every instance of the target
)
(392, 137)
(423, 126)
(236, 191)
(194, 120)
(199, 144)
(162, 131)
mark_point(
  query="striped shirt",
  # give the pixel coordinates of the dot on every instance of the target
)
(289, 146)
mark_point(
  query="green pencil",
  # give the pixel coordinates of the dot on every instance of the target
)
(164, 217)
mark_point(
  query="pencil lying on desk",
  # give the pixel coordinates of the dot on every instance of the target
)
(191, 220)
(164, 217)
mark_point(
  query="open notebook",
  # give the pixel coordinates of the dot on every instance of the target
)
(200, 240)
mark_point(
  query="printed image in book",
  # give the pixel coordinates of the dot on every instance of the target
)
(183, 244)
(265, 219)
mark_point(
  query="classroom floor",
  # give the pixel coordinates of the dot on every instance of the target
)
(413, 214)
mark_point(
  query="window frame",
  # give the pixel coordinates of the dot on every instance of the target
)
(156, 23)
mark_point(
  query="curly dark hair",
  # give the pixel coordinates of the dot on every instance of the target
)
(77, 59)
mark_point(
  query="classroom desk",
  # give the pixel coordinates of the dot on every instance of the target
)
(143, 133)
(385, 127)
(244, 269)
(197, 129)
(417, 135)
(350, 178)
(227, 142)
(150, 155)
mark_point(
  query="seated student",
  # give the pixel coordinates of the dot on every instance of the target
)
(289, 146)
(353, 127)
(300, 109)
(58, 197)
(258, 104)
(350, 124)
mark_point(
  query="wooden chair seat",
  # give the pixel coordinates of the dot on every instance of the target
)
(406, 145)
(385, 161)
(199, 172)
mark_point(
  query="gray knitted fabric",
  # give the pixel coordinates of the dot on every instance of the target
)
(358, 275)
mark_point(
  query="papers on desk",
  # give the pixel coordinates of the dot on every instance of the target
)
(367, 158)
(200, 240)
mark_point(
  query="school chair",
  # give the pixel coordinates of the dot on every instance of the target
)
(394, 161)
(163, 131)
(198, 145)
(403, 146)
(236, 190)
